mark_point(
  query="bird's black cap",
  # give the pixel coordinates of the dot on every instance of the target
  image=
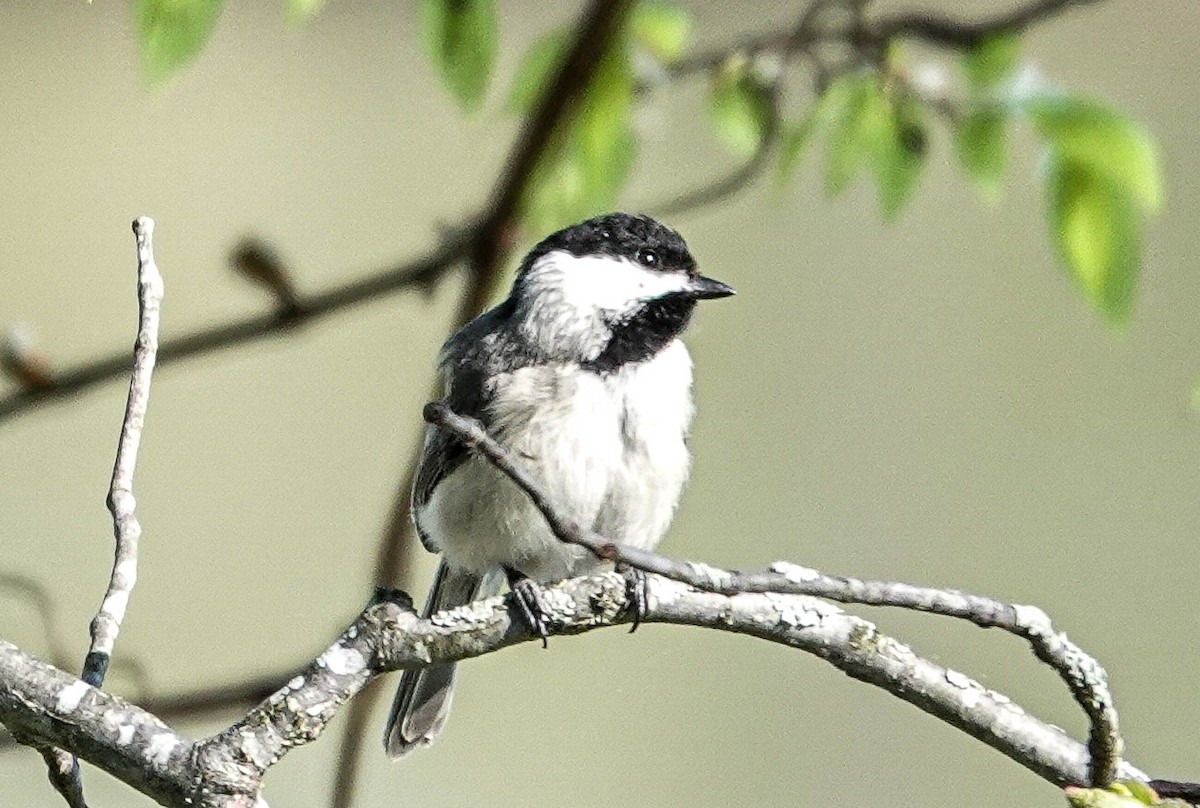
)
(621, 235)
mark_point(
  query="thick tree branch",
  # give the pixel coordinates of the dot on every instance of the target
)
(42, 705)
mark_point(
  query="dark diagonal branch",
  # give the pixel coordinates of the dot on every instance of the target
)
(419, 273)
(957, 33)
(491, 242)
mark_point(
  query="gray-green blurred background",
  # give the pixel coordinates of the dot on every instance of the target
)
(930, 401)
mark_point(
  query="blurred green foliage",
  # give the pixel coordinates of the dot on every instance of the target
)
(172, 33)
(1101, 172)
(462, 37)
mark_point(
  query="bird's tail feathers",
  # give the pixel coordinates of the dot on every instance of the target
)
(422, 701)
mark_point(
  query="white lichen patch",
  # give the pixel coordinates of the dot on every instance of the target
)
(126, 571)
(342, 661)
(1034, 619)
(160, 748)
(295, 683)
(663, 592)
(972, 691)
(794, 572)
(956, 679)
(799, 611)
(124, 734)
(70, 696)
(559, 605)
(712, 577)
(255, 751)
(972, 696)
(467, 614)
(115, 604)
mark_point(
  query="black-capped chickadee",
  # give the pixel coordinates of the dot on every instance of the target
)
(579, 373)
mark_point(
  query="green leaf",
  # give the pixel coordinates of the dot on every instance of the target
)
(740, 110)
(536, 71)
(858, 116)
(1109, 143)
(990, 62)
(1094, 225)
(980, 141)
(172, 32)
(899, 148)
(794, 142)
(462, 37)
(661, 28)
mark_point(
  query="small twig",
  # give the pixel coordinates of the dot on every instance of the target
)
(106, 625)
(126, 528)
(736, 180)
(951, 33)
(258, 263)
(1083, 675)
(418, 273)
(1177, 790)
(62, 769)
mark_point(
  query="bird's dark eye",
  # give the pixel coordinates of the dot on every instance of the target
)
(647, 258)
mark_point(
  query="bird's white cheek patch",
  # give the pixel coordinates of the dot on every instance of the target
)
(588, 283)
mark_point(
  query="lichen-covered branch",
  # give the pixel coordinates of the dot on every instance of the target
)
(42, 705)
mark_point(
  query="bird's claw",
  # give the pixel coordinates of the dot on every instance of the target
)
(638, 599)
(525, 593)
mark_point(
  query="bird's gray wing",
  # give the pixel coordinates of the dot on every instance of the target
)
(470, 362)
(443, 453)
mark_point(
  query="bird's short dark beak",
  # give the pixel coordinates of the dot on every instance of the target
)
(707, 289)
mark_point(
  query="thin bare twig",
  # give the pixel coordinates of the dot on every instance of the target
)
(739, 178)
(127, 529)
(956, 33)
(1083, 675)
(63, 769)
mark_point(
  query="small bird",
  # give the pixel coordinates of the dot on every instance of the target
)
(581, 374)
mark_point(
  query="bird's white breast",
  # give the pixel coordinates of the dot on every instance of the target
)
(610, 449)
